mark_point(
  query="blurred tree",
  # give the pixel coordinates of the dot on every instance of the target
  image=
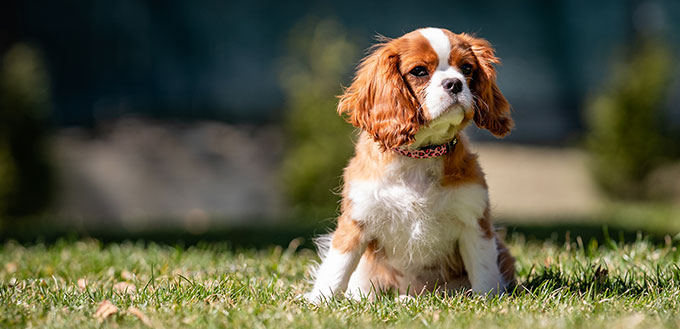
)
(628, 136)
(318, 142)
(25, 175)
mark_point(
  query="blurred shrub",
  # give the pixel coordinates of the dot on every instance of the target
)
(628, 136)
(25, 175)
(319, 57)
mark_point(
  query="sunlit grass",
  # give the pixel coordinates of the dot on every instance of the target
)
(579, 284)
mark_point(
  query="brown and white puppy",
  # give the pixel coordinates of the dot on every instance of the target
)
(415, 209)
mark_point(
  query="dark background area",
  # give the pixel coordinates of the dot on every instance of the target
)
(218, 60)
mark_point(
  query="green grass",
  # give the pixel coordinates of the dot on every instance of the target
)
(566, 285)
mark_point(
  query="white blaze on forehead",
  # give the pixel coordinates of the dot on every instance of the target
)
(440, 43)
(445, 111)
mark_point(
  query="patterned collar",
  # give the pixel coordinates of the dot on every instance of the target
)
(430, 151)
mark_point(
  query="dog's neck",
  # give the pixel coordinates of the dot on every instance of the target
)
(430, 151)
(371, 161)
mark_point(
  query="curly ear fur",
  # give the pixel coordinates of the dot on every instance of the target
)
(379, 100)
(492, 110)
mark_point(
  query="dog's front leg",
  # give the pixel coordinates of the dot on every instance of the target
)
(480, 257)
(347, 246)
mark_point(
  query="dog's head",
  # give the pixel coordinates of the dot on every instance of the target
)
(424, 87)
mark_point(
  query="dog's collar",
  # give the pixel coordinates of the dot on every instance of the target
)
(430, 151)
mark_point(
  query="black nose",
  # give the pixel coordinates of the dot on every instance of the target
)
(452, 85)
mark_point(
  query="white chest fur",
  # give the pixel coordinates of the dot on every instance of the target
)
(415, 219)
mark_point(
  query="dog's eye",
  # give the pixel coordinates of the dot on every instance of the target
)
(466, 69)
(419, 71)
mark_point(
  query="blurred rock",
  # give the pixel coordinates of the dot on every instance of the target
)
(144, 174)
(663, 183)
(530, 182)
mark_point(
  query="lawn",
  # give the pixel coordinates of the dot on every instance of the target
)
(567, 285)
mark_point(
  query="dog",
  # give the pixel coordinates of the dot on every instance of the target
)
(414, 215)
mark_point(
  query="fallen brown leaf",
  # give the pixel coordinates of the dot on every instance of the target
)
(435, 315)
(126, 275)
(82, 284)
(140, 315)
(105, 310)
(124, 288)
(11, 267)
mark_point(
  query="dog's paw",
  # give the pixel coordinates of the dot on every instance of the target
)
(405, 299)
(314, 297)
(358, 295)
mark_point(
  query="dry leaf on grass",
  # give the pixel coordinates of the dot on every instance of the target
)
(105, 310)
(82, 284)
(629, 322)
(435, 315)
(11, 267)
(127, 275)
(124, 288)
(141, 316)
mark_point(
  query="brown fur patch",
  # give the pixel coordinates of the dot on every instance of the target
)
(347, 235)
(379, 100)
(370, 161)
(485, 224)
(506, 263)
(492, 110)
(461, 167)
(384, 277)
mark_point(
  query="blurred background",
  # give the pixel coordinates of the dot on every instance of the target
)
(131, 117)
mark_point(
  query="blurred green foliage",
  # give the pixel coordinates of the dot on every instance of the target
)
(628, 136)
(320, 55)
(25, 173)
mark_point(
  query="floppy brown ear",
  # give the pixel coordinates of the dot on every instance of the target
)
(380, 102)
(492, 110)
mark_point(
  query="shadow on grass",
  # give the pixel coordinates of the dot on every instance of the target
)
(563, 231)
(236, 237)
(589, 279)
(264, 236)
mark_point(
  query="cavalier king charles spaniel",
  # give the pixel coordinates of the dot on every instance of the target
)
(415, 210)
